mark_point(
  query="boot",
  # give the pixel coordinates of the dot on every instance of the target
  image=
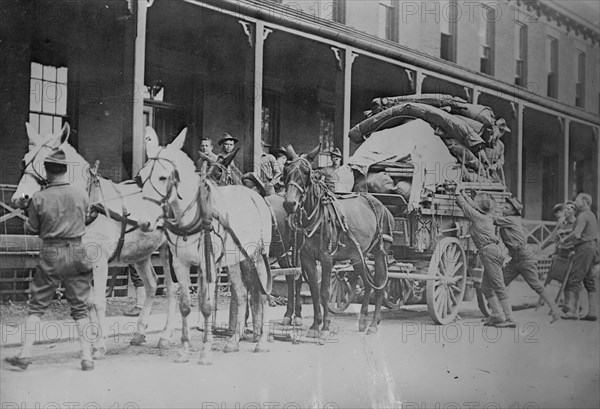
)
(592, 307)
(496, 315)
(507, 308)
(32, 327)
(140, 295)
(556, 312)
(570, 303)
(87, 364)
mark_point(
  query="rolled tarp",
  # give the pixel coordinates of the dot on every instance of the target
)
(436, 100)
(437, 118)
(459, 151)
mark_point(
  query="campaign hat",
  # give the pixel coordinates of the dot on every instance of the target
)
(227, 137)
(58, 156)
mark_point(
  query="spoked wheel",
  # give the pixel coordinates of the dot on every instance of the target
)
(444, 294)
(341, 293)
(397, 292)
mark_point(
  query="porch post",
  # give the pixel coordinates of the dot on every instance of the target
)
(349, 56)
(566, 134)
(520, 151)
(259, 41)
(138, 86)
(419, 78)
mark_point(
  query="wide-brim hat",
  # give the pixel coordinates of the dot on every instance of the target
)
(281, 150)
(57, 157)
(516, 204)
(335, 152)
(485, 203)
(227, 137)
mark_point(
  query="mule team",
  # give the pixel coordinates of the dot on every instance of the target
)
(207, 225)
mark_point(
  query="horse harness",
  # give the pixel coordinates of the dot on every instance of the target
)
(202, 221)
(329, 219)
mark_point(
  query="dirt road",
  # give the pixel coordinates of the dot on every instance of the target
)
(410, 363)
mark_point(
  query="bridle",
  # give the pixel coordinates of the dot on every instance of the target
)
(172, 182)
(35, 175)
(302, 166)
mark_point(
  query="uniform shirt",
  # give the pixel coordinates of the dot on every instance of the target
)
(58, 211)
(511, 232)
(331, 177)
(562, 229)
(586, 227)
(495, 155)
(268, 169)
(482, 229)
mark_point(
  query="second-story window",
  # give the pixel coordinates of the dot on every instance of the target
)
(521, 54)
(552, 66)
(339, 11)
(47, 97)
(580, 79)
(448, 23)
(486, 38)
(389, 19)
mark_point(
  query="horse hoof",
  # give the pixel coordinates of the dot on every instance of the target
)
(286, 321)
(182, 358)
(98, 353)
(163, 343)
(297, 322)
(217, 346)
(312, 333)
(247, 336)
(137, 339)
(204, 359)
(372, 331)
(261, 348)
(231, 347)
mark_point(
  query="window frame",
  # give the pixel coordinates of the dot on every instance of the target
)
(48, 114)
(487, 34)
(521, 43)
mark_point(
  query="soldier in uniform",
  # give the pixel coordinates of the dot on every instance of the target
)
(227, 143)
(57, 215)
(330, 173)
(522, 261)
(584, 238)
(206, 147)
(483, 234)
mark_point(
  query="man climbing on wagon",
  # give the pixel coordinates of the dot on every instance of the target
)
(522, 261)
(483, 234)
(57, 215)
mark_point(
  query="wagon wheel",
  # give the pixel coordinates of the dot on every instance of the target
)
(341, 293)
(396, 293)
(444, 295)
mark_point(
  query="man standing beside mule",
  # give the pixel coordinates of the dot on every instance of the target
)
(483, 234)
(57, 215)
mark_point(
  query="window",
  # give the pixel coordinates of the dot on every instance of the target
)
(389, 20)
(521, 54)
(339, 11)
(486, 39)
(448, 20)
(47, 97)
(552, 66)
(326, 134)
(580, 79)
(270, 120)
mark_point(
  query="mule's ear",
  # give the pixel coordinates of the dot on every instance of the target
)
(179, 141)
(151, 142)
(229, 158)
(313, 154)
(60, 137)
(290, 152)
(32, 134)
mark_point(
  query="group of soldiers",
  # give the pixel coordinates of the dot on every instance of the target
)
(576, 231)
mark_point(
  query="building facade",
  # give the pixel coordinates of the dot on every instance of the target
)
(302, 72)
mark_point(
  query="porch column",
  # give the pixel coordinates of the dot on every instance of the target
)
(349, 57)
(475, 96)
(597, 137)
(420, 77)
(259, 42)
(138, 85)
(520, 151)
(566, 126)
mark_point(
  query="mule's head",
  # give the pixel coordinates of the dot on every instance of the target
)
(161, 182)
(297, 174)
(217, 170)
(33, 176)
